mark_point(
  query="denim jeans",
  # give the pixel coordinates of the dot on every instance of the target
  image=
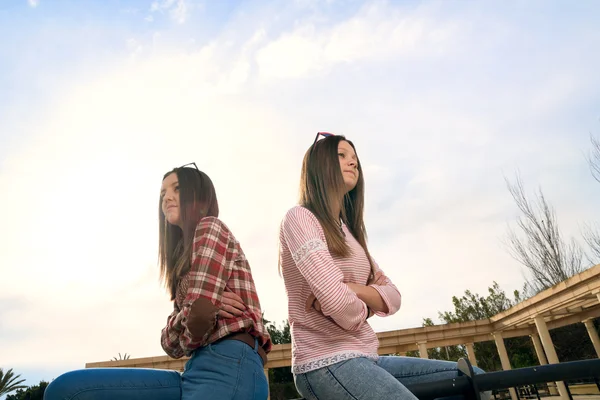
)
(228, 370)
(362, 379)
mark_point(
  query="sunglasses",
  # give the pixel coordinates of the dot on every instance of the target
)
(324, 134)
(189, 165)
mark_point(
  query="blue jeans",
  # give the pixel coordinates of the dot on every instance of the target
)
(229, 369)
(362, 379)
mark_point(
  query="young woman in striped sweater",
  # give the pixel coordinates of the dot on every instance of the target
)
(334, 286)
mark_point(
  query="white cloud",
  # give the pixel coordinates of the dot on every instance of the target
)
(375, 33)
(178, 9)
(161, 5)
(180, 12)
(33, 3)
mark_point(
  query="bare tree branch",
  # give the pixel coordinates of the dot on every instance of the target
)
(594, 158)
(539, 247)
(591, 234)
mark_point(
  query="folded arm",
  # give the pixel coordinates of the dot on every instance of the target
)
(370, 296)
(382, 296)
(169, 338)
(190, 327)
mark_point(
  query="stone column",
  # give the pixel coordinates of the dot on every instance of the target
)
(589, 325)
(471, 354)
(504, 360)
(550, 351)
(423, 349)
(267, 375)
(539, 350)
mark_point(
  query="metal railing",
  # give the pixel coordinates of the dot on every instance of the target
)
(470, 385)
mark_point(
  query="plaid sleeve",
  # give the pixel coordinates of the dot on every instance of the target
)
(207, 278)
(189, 328)
(169, 338)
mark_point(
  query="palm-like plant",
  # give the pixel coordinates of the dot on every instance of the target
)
(9, 382)
(121, 357)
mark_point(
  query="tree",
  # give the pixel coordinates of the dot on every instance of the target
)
(35, 392)
(571, 342)
(448, 353)
(592, 234)
(594, 158)
(9, 382)
(542, 250)
(471, 307)
(123, 357)
(280, 336)
(281, 380)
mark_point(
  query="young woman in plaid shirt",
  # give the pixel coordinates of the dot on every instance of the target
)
(202, 263)
(334, 286)
(216, 318)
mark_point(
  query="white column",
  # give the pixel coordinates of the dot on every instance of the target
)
(504, 359)
(550, 351)
(539, 350)
(589, 325)
(269, 390)
(471, 354)
(423, 349)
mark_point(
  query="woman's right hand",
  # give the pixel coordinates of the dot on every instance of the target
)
(232, 305)
(379, 279)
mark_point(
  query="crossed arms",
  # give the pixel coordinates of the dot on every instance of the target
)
(348, 304)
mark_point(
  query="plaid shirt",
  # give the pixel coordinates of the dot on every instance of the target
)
(218, 265)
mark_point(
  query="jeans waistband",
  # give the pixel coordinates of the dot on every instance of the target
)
(250, 341)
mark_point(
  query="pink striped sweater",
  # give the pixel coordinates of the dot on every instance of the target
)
(340, 331)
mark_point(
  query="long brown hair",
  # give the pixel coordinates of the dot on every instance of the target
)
(197, 199)
(322, 188)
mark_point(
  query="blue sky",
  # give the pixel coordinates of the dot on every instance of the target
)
(442, 99)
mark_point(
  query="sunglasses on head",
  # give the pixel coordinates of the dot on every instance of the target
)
(189, 165)
(324, 134)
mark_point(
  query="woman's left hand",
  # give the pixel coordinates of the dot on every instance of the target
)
(312, 302)
(232, 305)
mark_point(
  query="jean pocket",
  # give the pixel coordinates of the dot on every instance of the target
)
(228, 350)
(303, 387)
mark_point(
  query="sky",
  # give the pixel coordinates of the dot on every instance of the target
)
(442, 99)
